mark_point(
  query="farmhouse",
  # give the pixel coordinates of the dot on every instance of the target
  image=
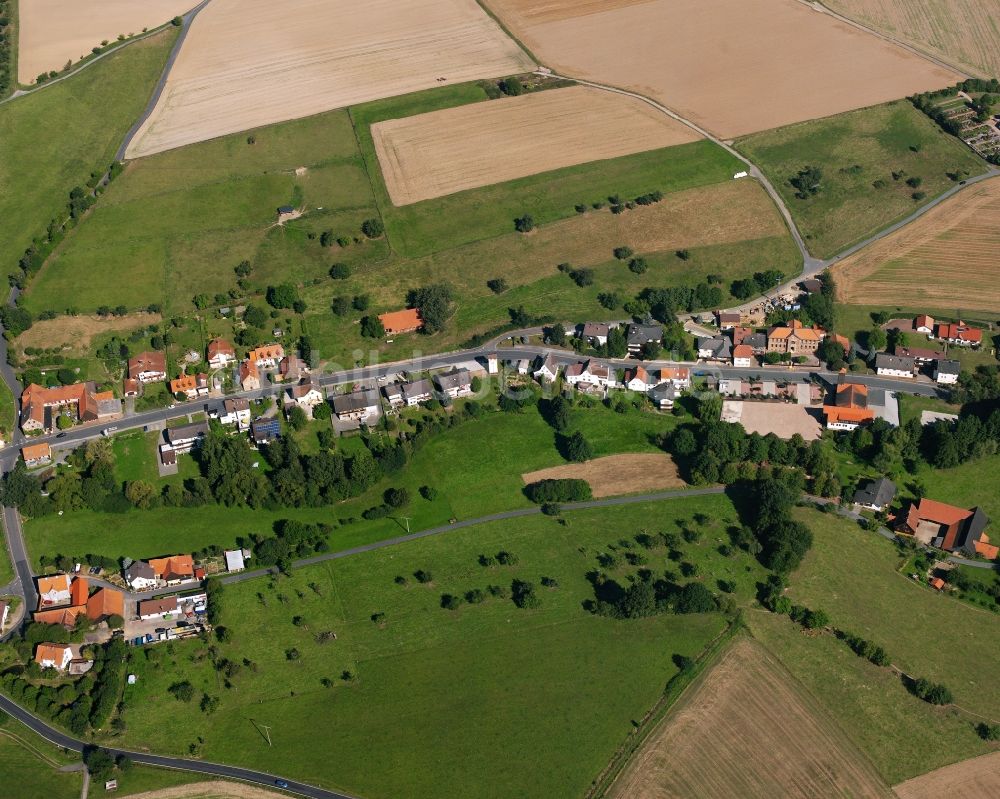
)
(794, 339)
(959, 333)
(237, 412)
(140, 576)
(453, 384)
(148, 367)
(266, 356)
(64, 616)
(357, 406)
(36, 454)
(850, 408)
(746, 335)
(105, 602)
(191, 386)
(638, 336)
(946, 372)
(547, 369)
(53, 656)
(405, 321)
(249, 376)
(894, 365)
(921, 355)
(40, 406)
(184, 438)
(812, 285)
(596, 333)
(727, 319)
(876, 495)
(416, 392)
(743, 355)
(263, 431)
(130, 387)
(948, 527)
(714, 349)
(173, 569)
(220, 353)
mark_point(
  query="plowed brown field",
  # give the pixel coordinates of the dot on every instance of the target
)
(616, 474)
(247, 63)
(946, 259)
(733, 66)
(431, 155)
(748, 730)
(977, 778)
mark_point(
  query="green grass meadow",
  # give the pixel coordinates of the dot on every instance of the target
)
(30, 772)
(485, 701)
(853, 150)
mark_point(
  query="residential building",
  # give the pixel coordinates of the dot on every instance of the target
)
(959, 334)
(357, 406)
(191, 386)
(4, 613)
(638, 379)
(306, 394)
(948, 527)
(522, 366)
(714, 349)
(663, 395)
(173, 569)
(53, 656)
(220, 353)
(148, 367)
(596, 333)
(158, 608)
(185, 437)
(265, 430)
(812, 285)
(921, 355)
(54, 590)
(924, 324)
(794, 338)
(876, 495)
(234, 560)
(743, 355)
(678, 376)
(946, 372)
(727, 319)
(394, 395)
(590, 375)
(40, 406)
(105, 602)
(130, 387)
(418, 391)
(547, 369)
(454, 384)
(850, 407)
(249, 376)
(237, 412)
(639, 335)
(266, 356)
(405, 321)
(894, 365)
(492, 364)
(65, 616)
(292, 369)
(36, 454)
(140, 576)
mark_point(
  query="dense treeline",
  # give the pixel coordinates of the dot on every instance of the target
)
(558, 491)
(6, 48)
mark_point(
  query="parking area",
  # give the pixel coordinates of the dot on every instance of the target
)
(784, 419)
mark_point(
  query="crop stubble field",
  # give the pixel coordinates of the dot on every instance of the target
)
(947, 258)
(732, 66)
(612, 475)
(52, 32)
(976, 778)
(442, 152)
(247, 63)
(748, 730)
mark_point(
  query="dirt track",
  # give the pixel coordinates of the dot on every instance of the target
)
(616, 474)
(977, 778)
(431, 155)
(732, 66)
(212, 789)
(52, 32)
(746, 731)
(248, 63)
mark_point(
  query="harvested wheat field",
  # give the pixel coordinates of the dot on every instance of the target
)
(443, 152)
(748, 730)
(211, 789)
(732, 66)
(960, 32)
(248, 63)
(617, 474)
(976, 778)
(76, 333)
(53, 32)
(945, 259)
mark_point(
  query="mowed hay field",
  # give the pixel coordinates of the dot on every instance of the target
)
(616, 474)
(247, 63)
(961, 32)
(976, 778)
(443, 152)
(947, 258)
(732, 66)
(748, 729)
(53, 32)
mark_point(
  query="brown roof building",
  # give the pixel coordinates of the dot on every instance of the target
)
(794, 338)
(405, 321)
(148, 367)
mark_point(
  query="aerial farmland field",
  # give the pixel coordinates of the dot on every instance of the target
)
(442, 152)
(248, 63)
(945, 259)
(733, 67)
(54, 32)
(975, 778)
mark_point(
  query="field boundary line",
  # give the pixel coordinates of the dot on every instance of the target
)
(371, 181)
(507, 31)
(19, 741)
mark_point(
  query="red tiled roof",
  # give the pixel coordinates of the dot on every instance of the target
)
(401, 321)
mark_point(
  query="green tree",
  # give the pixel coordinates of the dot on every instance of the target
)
(372, 327)
(578, 448)
(373, 228)
(282, 296)
(434, 303)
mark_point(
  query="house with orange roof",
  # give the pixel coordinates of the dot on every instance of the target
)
(104, 603)
(679, 376)
(36, 454)
(937, 583)
(924, 324)
(220, 353)
(148, 367)
(191, 386)
(249, 376)
(266, 356)
(40, 405)
(743, 355)
(54, 590)
(959, 334)
(173, 569)
(405, 321)
(850, 407)
(53, 656)
(66, 616)
(794, 338)
(948, 527)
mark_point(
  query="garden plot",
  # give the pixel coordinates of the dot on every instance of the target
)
(247, 63)
(443, 152)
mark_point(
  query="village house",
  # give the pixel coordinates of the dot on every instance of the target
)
(54, 590)
(393, 394)
(4, 614)
(638, 336)
(220, 353)
(638, 379)
(265, 430)
(148, 367)
(743, 356)
(131, 387)
(714, 349)
(65, 616)
(547, 369)
(185, 437)
(454, 384)
(590, 375)
(104, 603)
(53, 656)
(266, 356)
(357, 406)
(41, 406)
(948, 527)
(292, 369)
(921, 355)
(306, 394)
(946, 372)
(191, 386)
(237, 412)
(876, 495)
(959, 334)
(811, 285)
(894, 365)
(405, 321)
(850, 408)
(678, 376)
(173, 569)
(139, 576)
(596, 333)
(418, 391)
(36, 454)
(727, 319)
(794, 339)
(924, 324)
(663, 395)
(249, 376)
(158, 608)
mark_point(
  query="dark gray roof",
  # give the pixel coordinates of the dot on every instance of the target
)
(876, 398)
(393, 390)
(948, 367)
(456, 378)
(355, 401)
(756, 340)
(876, 492)
(884, 360)
(186, 432)
(664, 391)
(265, 429)
(972, 531)
(140, 568)
(718, 346)
(596, 329)
(643, 334)
(419, 388)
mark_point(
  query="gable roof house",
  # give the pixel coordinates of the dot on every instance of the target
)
(894, 365)
(794, 338)
(590, 375)
(406, 321)
(638, 379)
(714, 349)
(921, 355)
(292, 369)
(393, 393)
(850, 407)
(191, 386)
(743, 355)
(639, 335)
(158, 608)
(960, 334)
(140, 575)
(596, 333)
(418, 391)
(105, 602)
(148, 367)
(947, 372)
(36, 454)
(456, 383)
(54, 590)
(38, 404)
(236, 411)
(184, 437)
(266, 356)
(357, 405)
(265, 429)
(53, 656)
(173, 569)
(663, 395)
(306, 394)
(876, 494)
(679, 376)
(727, 319)
(220, 353)
(948, 527)
(249, 376)
(924, 324)
(547, 369)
